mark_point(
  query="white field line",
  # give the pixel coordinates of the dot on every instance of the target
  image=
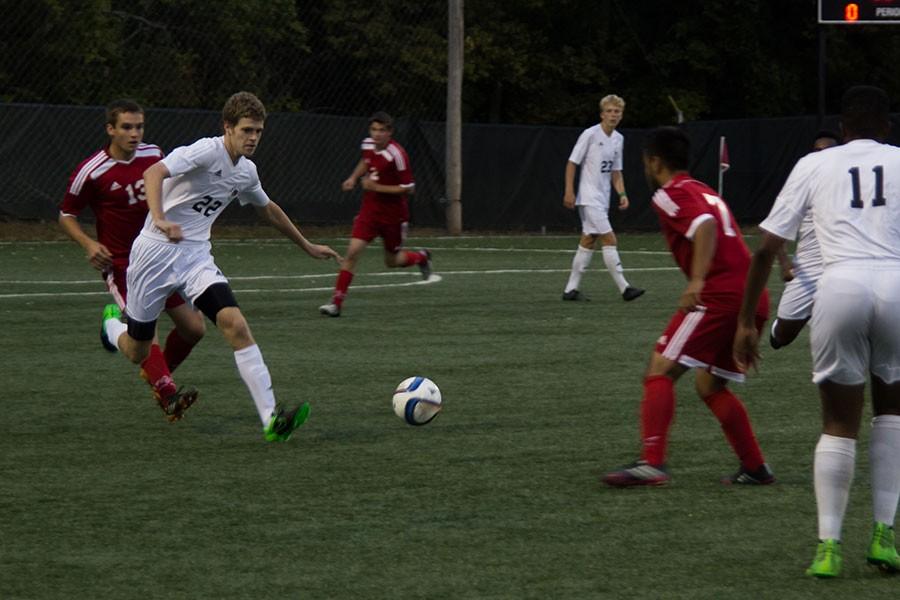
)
(276, 241)
(435, 278)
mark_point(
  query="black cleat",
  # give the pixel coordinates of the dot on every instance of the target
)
(176, 405)
(575, 296)
(638, 473)
(761, 476)
(632, 293)
(425, 267)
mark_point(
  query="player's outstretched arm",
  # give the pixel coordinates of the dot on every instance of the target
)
(704, 249)
(746, 338)
(618, 183)
(787, 267)
(358, 171)
(153, 180)
(569, 195)
(370, 185)
(97, 254)
(280, 221)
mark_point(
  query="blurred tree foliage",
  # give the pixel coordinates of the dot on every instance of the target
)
(527, 61)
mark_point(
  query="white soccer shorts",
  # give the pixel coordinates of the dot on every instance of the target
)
(594, 220)
(797, 298)
(855, 326)
(157, 269)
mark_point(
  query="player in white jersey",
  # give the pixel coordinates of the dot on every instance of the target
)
(186, 192)
(599, 153)
(853, 192)
(801, 274)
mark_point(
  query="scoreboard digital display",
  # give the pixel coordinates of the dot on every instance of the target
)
(862, 12)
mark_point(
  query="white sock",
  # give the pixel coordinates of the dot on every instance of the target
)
(114, 330)
(256, 376)
(833, 466)
(614, 266)
(580, 264)
(884, 458)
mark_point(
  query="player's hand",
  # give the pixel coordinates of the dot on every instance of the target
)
(690, 297)
(99, 256)
(348, 184)
(569, 200)
(623, 203)
(323, 251)
(170, 229)
(746, 348)
(787, 272)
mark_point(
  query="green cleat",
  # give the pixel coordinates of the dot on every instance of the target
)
(882, 552)
(284, 422)
(110, 311)
(828, 560)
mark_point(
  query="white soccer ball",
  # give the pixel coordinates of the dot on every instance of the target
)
(417, 400)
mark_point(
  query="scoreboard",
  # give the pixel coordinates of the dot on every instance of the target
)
(863, 12)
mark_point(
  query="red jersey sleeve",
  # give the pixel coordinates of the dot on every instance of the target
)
(679, 210)
(79, 189)
(401, 162)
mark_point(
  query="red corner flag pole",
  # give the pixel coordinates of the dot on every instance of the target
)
(724, 163)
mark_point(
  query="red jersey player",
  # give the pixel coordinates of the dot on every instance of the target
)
(387, 179)
(707, 245)
(110, 182)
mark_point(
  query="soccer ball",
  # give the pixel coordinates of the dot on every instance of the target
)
(417, 400)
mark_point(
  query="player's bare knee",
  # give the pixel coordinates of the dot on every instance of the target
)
(588, 241)
(706, 384)
(190, 325)
(136, 350)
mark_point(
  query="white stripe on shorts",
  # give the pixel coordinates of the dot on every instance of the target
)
(684, 331)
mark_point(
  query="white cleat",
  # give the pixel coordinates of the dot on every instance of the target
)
(330, 310)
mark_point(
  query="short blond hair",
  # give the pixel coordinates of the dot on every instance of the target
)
(243, 104)
(613, 100)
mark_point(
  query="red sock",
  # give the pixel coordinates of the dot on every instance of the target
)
(340, 288)
(657, 412)
(177, 349)
(732, 415)
(158, 374)
(413, 258)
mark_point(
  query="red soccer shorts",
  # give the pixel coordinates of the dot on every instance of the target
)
(703, 339)
(115, 282)
(367, 227)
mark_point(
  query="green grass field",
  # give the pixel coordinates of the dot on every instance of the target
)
(499, 497)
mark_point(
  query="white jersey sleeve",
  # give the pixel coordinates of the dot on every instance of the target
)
(792, 202)
(581, 146)
(254, 193)
(202, 154)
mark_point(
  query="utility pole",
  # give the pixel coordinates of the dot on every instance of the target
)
(454, 115)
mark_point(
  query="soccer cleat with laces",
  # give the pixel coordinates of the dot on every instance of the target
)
(110, 311)
(828, 560)
(283, 422)
(882, 551)
(174, 402)
(638, 473)
(575, 296)
(425, 266)
(632, 293)
(761, 476)
(330, 310)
